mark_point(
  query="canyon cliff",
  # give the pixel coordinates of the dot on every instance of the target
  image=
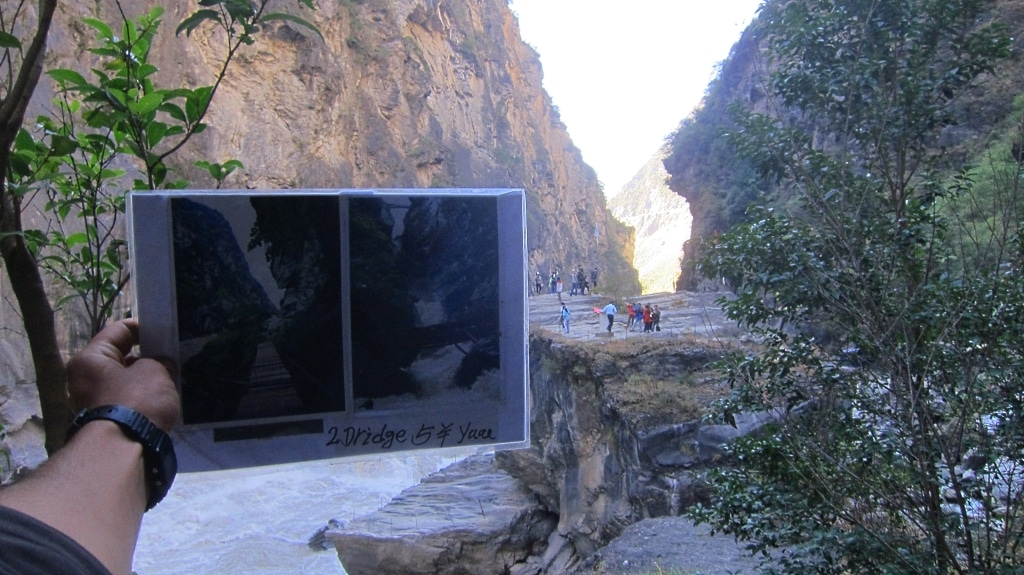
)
(398, 93)
(719, 185)
(403, 93)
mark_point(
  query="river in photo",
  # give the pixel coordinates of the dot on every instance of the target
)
(260, 520)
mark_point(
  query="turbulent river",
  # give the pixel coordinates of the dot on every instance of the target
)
(260, 520)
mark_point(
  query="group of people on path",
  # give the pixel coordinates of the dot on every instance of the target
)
(638, 313)
(643, 313)
(580, 282)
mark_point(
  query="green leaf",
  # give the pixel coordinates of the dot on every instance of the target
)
(62, 145)
(23, 140)
(146, 70)
(192, 22)
(65, 76)
(155, 133)
(8, 40)
(75, 239)
(21, 165)
(281, 16)
(173, 110)
(146, 104)
(101, 27)
(116, 97)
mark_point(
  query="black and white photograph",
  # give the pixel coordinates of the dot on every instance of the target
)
(259, 306)
(424, 293)
(315, 324)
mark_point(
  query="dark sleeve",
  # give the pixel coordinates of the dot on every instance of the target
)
(30, 547)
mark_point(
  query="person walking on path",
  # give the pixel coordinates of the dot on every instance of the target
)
(610, 311)
(566, 314)
(648, 319)
(656, 317)
(632, 316)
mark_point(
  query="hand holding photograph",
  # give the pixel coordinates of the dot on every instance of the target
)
(315, 324)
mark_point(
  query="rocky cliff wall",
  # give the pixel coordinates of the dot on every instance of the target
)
(719, 185)
(607, 450)
(398, 93)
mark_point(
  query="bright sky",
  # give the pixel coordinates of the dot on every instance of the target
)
(624, 74)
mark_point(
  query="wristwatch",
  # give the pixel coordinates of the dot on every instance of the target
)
(157, 450)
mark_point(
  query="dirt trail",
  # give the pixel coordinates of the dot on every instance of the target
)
(682, 313)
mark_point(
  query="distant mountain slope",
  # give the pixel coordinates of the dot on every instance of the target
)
(661, 222)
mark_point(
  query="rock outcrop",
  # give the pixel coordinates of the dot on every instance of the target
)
(611, 445)
(601, 462)
(467, 519)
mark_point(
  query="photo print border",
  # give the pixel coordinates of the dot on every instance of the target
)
(317, 324)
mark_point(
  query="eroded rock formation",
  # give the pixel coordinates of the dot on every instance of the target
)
(596, 465)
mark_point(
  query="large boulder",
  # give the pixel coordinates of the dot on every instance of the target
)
(467, 519)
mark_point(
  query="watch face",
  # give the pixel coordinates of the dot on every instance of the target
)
(319, 324)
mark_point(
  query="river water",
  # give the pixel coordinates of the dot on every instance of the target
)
(260, 520)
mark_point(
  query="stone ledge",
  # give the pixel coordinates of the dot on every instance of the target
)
(468, 518)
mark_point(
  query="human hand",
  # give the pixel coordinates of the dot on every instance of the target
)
(106, 372)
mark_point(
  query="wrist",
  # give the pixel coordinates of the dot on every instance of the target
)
(160, 463)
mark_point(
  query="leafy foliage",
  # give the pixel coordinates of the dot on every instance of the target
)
(107, 135)
(75, 158)
(890, 363)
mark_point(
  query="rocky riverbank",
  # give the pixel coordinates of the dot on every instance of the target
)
(615, 441)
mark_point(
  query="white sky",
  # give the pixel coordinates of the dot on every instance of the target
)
(625, 73)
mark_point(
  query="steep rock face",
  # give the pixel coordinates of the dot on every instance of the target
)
(719, 186)
(399, 93)
(661, 223)
(594, 465)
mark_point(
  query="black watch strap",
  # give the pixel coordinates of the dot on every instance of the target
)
(157, 450)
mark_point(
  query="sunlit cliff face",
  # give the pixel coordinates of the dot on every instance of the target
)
(661, 222)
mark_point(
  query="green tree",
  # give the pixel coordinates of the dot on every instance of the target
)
(76, 159)
(888, 367)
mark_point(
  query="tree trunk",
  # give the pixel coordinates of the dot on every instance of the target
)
(22, 269)
(37, 314)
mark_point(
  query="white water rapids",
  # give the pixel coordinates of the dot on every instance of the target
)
(260, 520)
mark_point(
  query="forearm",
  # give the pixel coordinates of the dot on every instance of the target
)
(92, 490)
